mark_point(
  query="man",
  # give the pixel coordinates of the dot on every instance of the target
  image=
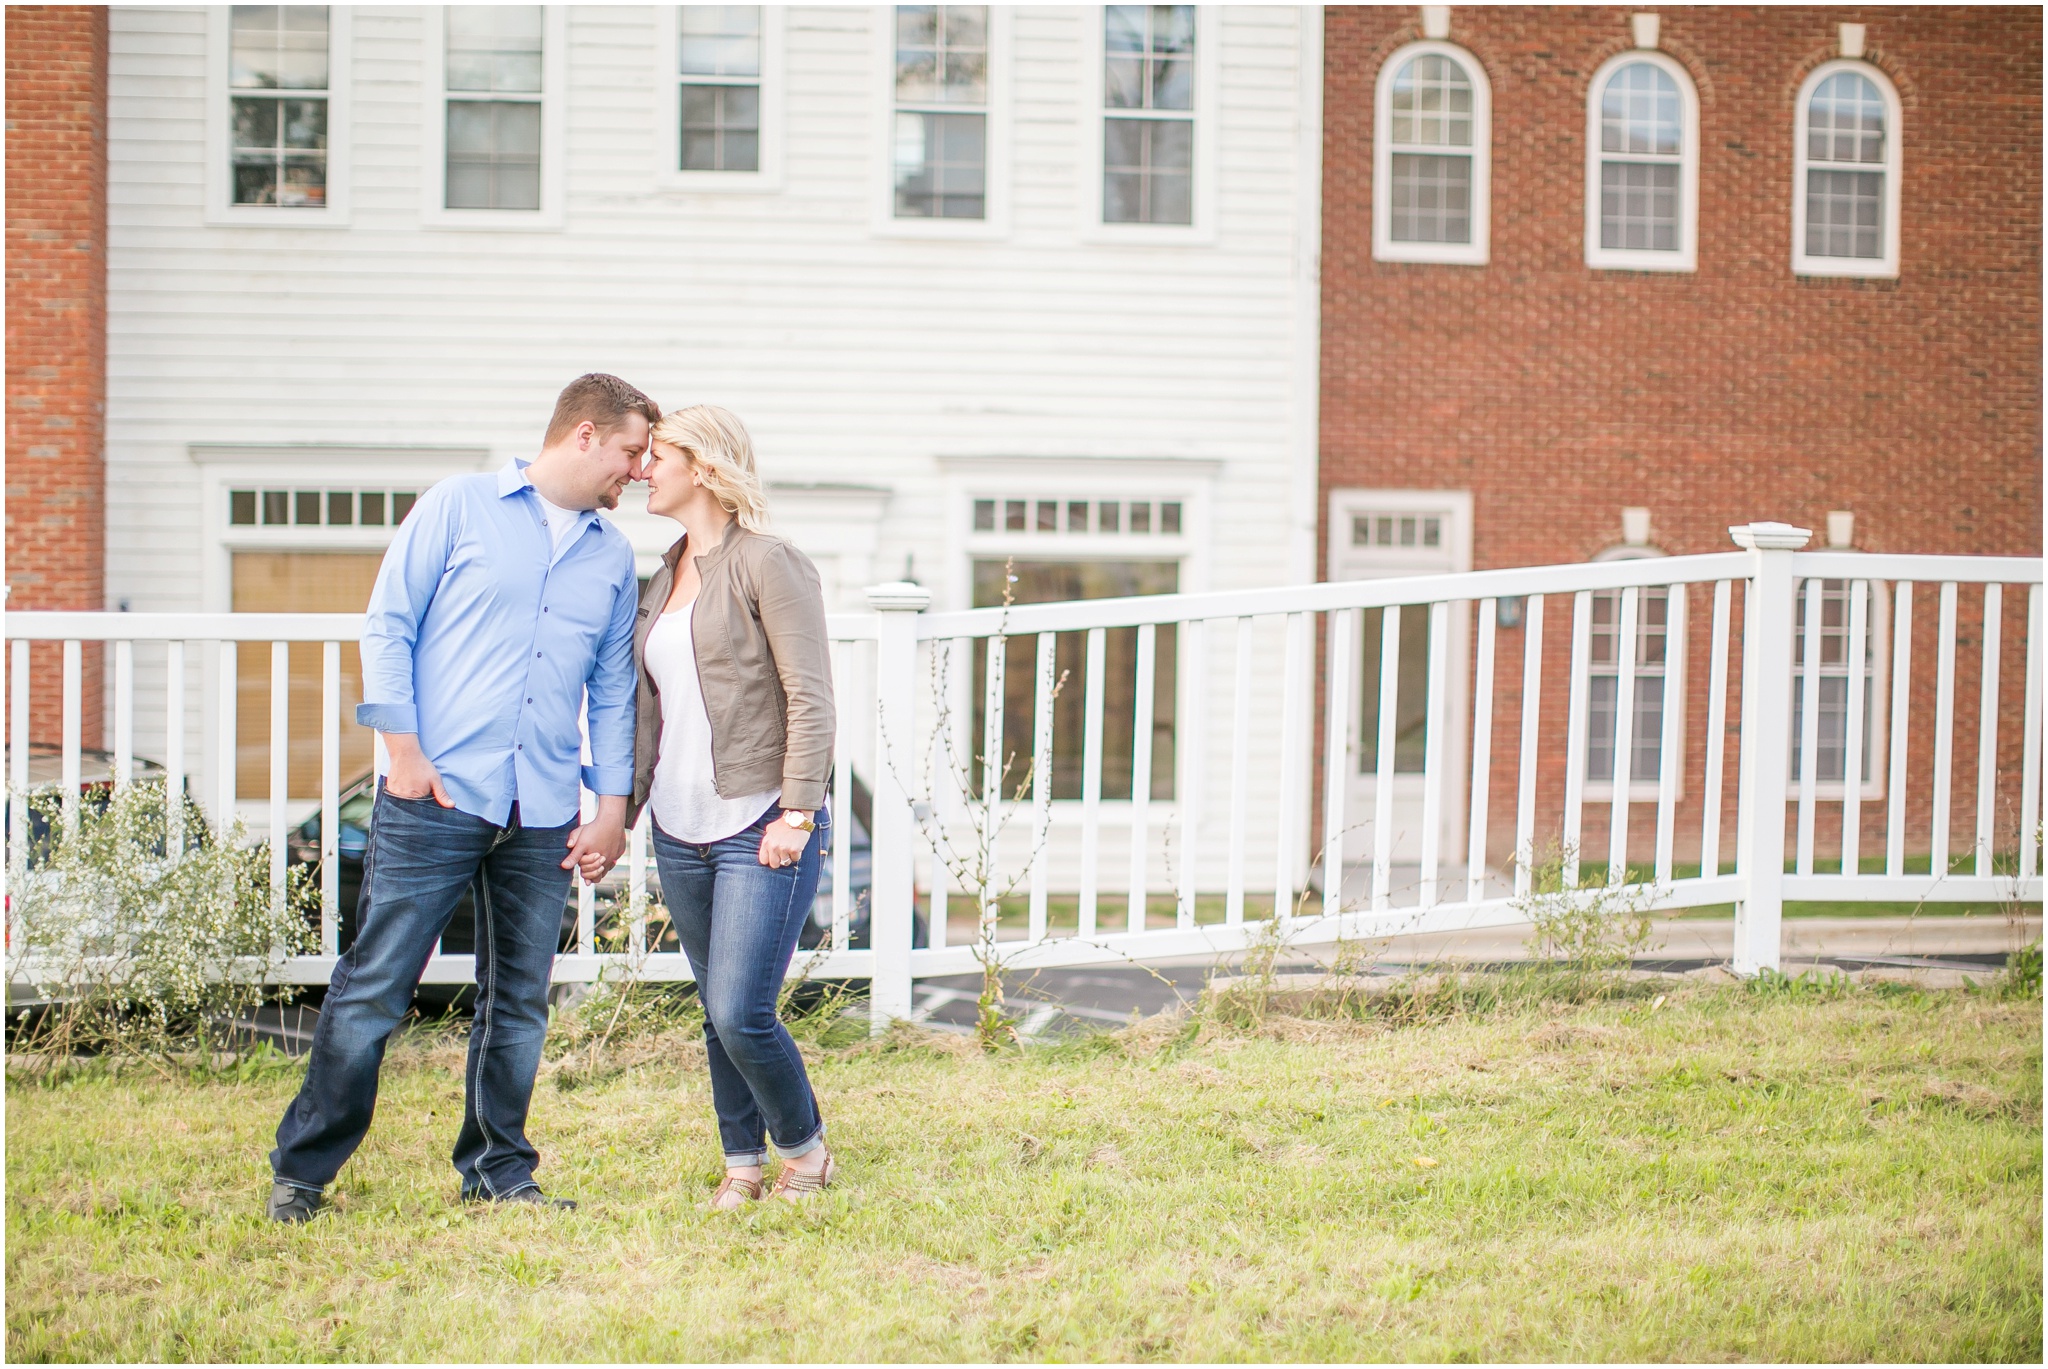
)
(502, 599)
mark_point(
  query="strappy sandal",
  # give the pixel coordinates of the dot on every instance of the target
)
(794, 1185)
(748, 1189)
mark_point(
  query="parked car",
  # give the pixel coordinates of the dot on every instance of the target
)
(357, 803)
(853, 830)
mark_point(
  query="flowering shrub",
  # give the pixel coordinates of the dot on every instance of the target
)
(134, 948)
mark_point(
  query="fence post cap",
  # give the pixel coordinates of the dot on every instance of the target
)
(899, 596)
(1770, 536)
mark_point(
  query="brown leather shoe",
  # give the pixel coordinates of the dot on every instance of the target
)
(745, 1191)
(794, 1185)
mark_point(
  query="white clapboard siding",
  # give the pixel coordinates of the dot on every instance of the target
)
(856, 357)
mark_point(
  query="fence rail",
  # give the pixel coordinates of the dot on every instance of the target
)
(1354, 758)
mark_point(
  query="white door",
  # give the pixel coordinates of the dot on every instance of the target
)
(1378, 534)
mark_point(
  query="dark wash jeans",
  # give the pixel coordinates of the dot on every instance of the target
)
(738, 921)
(420, 859)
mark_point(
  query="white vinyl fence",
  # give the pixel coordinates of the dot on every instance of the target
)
(1759, 725)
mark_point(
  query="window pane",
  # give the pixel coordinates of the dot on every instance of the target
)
(278, 151)
(306, 507)
(276, 507)
(493, 154)
(1411, 698)
(1106, 516)
(1431, 198)
(1639, 206)
(942, 54)
(1845, 120)
(1639, 111)
(1652, 615)
(401, 504)
(1077, 515)
(341, 507)
(1845, 213)
(1048, 516)
(1169, 519)
(241, 506)
(1148, 56)
(940, 160)
(278, 47)
(721, 128)
(720, 40)
(1124, 28)
(373, 508)
(1013, 515)
(984, 515)
(1050, 581)
(1147, 171)
(1141, 517)
(494, 47)
(1432, 104)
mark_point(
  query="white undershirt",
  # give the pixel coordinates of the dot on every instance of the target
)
(683, 796)
(560, 522)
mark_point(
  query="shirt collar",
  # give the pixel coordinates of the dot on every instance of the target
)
(512, 477)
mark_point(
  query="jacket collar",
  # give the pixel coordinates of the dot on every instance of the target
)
(712, 557)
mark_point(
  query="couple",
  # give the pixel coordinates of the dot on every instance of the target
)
(502, 601)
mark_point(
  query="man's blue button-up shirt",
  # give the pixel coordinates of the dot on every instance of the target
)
(482, 638)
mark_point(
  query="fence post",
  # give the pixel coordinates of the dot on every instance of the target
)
(893, 888)
(1766, 744)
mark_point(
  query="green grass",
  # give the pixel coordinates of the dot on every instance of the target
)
(1802, 1173)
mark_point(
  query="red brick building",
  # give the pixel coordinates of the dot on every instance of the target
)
(56, 328)
(1707, 265)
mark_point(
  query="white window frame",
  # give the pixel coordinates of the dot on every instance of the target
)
(220, 183)
(1886, 266)
(554, 68)
(995, 222)
(1877, 712)
(1384, 247)
(1094, 111)
(668, 128)
(1600, 787)
(1190, 482)
(1686, 258)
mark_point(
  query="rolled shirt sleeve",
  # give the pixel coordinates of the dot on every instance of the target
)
(610, 700)
(398, 602)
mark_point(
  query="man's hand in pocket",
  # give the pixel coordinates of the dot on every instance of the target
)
(412, 775)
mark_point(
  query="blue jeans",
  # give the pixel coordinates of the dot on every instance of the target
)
(738, 921)
(421, 857)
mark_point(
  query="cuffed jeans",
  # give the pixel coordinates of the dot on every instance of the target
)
(420, 859)
(738, 921)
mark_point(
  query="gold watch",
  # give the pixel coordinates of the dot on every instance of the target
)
(798, 820)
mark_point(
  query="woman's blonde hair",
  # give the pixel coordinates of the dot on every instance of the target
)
(717, 445)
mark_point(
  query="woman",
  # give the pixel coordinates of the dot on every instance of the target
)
(733, 748)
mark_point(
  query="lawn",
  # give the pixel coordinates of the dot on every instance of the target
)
(1727, 1174)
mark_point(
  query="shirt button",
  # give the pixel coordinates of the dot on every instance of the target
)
(529, 701)
(536, 655)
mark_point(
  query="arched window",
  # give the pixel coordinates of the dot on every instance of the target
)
(1642, 165)
(1845, 192)
(1433, 130)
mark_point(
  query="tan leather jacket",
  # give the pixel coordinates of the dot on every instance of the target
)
(763, 663)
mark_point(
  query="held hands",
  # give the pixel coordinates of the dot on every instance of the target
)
(595, 846)
(782, 844)
(412, 775)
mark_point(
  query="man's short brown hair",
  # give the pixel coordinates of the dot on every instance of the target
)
(599, 399)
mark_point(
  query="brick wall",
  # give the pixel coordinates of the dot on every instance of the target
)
(56, 329)
(1558, 394)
